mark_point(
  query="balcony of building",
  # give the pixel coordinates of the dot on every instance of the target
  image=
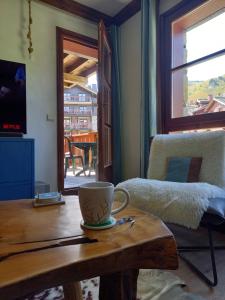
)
(79, 100)
(77, 113)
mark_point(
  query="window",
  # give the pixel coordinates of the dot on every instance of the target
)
(66, 109)
(193, 70)
(84, 108)
(82, 97)
(73, 98)
(83, 123)
(67, 97)
(67, 123)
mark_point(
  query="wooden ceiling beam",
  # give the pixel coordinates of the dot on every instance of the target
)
(77, 63)
(81, 50)
(89, 71)
(80, 10)
(127, 12)
(67, 85)
(70, 78)
(94, 15)
(67, 59)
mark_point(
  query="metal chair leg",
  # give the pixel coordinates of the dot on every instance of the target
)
(212, 255)
(66, 166)
(73, 165)
(82, 163)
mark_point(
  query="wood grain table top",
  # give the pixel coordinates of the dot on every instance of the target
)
(45, 246)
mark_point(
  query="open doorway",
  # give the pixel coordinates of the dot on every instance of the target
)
(77, 110)
(80, 114)
(84, 110)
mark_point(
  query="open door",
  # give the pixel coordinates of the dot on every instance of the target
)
(104, 106)
(77, 132)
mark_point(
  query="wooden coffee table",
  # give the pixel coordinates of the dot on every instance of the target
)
(45, 247)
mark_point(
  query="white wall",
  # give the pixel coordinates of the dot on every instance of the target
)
(130, 60)
(41, 71)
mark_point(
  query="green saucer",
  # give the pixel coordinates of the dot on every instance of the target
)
(110, 223)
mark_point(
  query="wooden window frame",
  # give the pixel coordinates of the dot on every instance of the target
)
(169, 124)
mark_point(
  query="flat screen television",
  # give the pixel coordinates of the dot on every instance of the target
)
(12, 97)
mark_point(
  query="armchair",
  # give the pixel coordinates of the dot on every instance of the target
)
(210, 189)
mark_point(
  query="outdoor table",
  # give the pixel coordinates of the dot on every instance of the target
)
(86, 146)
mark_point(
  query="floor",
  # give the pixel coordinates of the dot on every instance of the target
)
(194, 284)
(75, 181)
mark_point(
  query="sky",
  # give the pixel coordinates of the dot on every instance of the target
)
(203, 40)
(92, 79)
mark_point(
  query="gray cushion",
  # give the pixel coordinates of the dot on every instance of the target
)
(215, 214)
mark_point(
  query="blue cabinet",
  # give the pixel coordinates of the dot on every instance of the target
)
(16, 168)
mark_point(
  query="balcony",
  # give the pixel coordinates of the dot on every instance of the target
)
(77, 127)
(77, 113)
(87, 98)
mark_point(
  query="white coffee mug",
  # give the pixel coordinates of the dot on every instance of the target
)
(96, 199)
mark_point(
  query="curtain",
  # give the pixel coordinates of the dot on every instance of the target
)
(149, 17)
(116, 105)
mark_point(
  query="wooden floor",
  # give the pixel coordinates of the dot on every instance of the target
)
(194, 284)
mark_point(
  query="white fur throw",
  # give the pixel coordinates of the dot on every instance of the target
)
(174, 202)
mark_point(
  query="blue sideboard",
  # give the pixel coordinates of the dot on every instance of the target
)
(16, 168)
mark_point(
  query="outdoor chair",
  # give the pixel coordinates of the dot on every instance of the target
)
(210, 148)
(69, 156)
(93, 162)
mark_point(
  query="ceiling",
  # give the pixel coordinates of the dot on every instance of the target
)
(109, 7)
(79, 62)
(77, 68)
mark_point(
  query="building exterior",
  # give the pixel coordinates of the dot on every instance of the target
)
(80, 110)
(210, 105)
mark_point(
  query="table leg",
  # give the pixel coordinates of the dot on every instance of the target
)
(72, 291)
(86, 164)
(119, 286)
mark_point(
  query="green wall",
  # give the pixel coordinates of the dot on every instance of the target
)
(130, 49)
(130, 65)
(41, 71)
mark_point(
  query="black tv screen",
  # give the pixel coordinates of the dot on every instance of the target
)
(12, 97)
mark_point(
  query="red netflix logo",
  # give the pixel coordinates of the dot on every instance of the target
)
(11, 126)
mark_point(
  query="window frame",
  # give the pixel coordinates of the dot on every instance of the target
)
(169, 124)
